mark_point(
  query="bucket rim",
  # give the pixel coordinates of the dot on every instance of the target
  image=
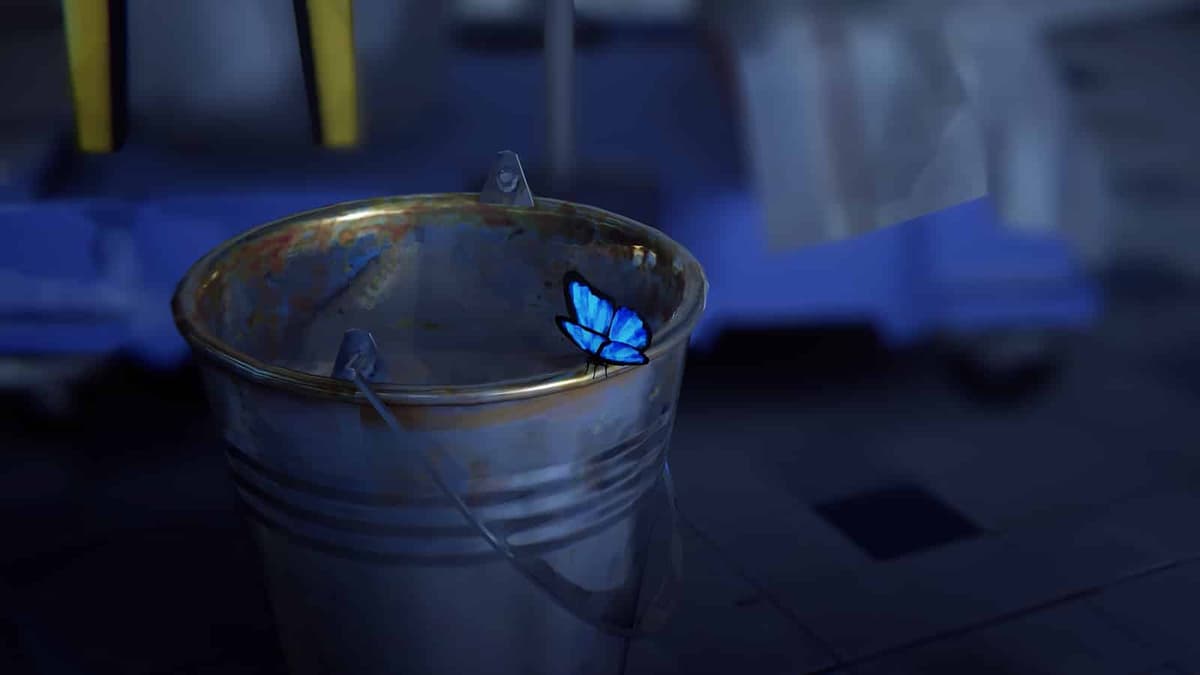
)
(208, 346)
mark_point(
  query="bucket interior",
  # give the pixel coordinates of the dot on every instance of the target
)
(455, 292)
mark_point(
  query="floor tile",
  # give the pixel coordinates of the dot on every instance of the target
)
(823, 457)
(896, 520)
(110, 605)
(1013, 480)
(39, 501)
(864, 611)
(1165, 669)
(745, 505)
(1065, 640)
(724, 625)
(1163, 610)
(1022, 464)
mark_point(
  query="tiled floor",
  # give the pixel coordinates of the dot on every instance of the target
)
(1087, 495)
(727, 625)
(127, 556)
(1161, 611)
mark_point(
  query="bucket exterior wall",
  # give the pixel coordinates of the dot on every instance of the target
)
(370, 568)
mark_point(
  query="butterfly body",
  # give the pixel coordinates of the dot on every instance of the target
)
(609, 334)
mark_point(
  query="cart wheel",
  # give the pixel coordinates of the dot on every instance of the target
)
(1004, 367)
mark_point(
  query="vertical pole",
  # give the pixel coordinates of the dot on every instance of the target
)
(331, 36)
(87, 27)
(560, 104)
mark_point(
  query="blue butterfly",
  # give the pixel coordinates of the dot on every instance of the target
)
(611, 335)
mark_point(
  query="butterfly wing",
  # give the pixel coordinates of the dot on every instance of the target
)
(587, 307)
(587, 340)
(616, 336)
(618, 353)
(629, 328)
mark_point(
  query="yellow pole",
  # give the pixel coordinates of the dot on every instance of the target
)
(331, 31)
(86, 25)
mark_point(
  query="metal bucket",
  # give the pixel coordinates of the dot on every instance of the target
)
(371, 564)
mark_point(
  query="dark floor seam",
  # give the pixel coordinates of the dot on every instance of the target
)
(838, 659)
(1012, 615)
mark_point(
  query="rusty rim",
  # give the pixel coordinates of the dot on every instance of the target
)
(671, 336)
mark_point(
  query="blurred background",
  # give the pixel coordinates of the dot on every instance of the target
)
(939, 415)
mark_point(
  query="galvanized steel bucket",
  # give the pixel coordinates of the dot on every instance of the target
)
(453, 492)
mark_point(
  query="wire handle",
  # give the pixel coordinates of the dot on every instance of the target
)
(590, 606)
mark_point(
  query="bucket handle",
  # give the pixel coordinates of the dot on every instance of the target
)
(590, 606)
